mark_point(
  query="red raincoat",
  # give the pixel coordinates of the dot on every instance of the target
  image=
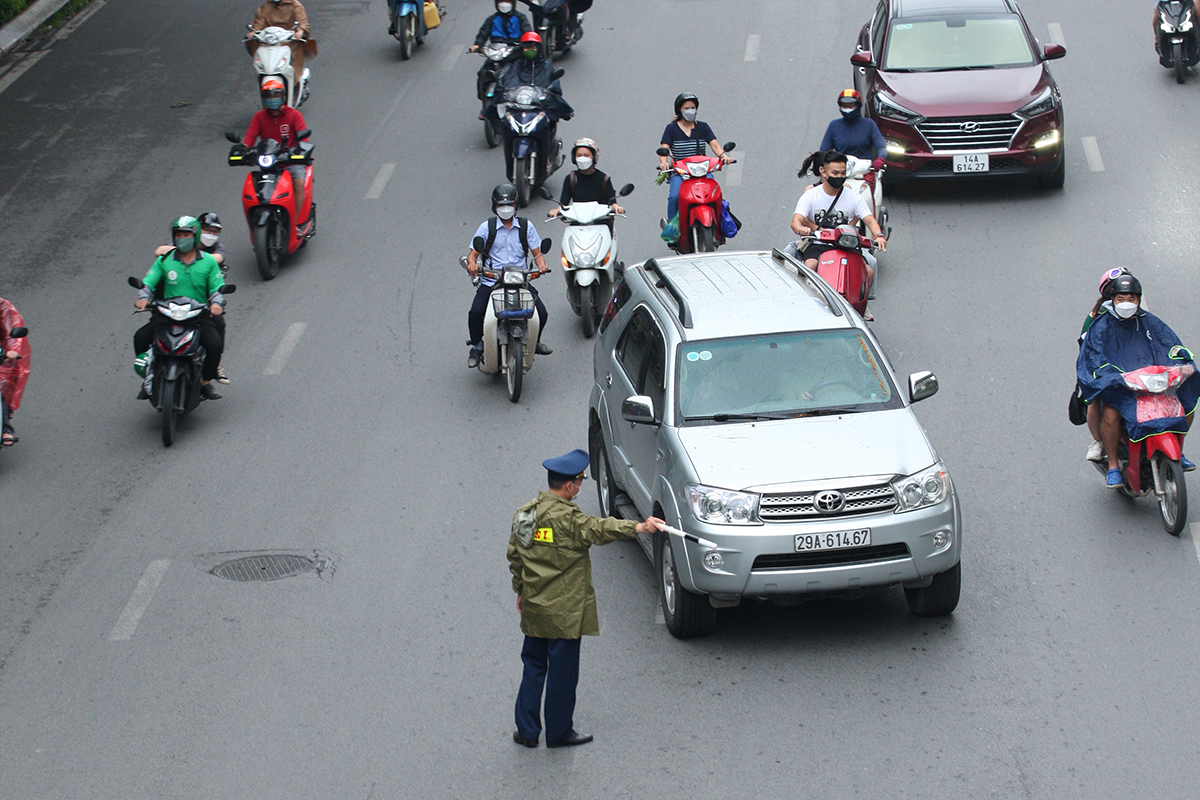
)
(13, 374)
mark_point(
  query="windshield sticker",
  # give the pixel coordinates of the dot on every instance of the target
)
(693, 356)
(705, 355)
(907, 27)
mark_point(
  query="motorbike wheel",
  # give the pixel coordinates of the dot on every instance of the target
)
(266, 255)
(587, 309)
(170, 392)
(523, 178)
(408, 35)
(702, 239)
(490, 133)
(1180, 68)
(1172, 505)
(515, 368)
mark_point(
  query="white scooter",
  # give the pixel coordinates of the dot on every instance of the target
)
(589, 258)
(273, 59)
(856, 172)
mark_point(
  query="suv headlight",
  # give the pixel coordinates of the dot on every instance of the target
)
(926, 488)
(889, 110)
(1046, 101)
(722, 506)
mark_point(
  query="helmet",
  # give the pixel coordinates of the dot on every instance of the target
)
(210, 220)
(1125, 284)
(849, 97)
(272, 88)
(590, 145)
(504, 195)
(1108, 277)
(683, 98)
(186, 223)
(531, 36)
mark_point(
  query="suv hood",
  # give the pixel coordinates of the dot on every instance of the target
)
(742, 455)
(965, 93)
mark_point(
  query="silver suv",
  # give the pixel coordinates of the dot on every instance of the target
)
(742, 400)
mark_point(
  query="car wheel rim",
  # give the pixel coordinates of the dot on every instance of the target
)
(602, 477)
(668, 576)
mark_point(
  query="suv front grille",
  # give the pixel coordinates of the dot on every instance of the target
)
(982, 133)
(832, 558)
(800, 506)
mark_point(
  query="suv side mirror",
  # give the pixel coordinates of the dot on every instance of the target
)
(921, 385)
(626, 190)
(19, 332)
(638, 408)
(862, 59)
(1052, 51)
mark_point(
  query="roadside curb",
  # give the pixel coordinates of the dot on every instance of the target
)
(26, 23)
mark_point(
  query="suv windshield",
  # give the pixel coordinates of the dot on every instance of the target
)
(781, 375)
(957, 43)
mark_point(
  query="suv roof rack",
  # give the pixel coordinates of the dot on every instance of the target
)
(803, 270)
(685, 311)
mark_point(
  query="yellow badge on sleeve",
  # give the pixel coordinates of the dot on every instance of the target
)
(544, 535)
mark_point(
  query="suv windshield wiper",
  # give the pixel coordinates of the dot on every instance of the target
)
(740, 417)
(828, 410)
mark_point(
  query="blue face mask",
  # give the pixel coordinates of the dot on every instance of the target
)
(274, 103)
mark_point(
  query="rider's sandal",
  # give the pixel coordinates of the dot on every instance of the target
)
(8, 440)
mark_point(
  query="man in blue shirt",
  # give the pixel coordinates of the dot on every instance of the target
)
(514, 238)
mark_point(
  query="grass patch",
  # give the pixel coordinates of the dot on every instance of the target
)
(11, 9)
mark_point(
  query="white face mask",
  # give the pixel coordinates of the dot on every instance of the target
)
(504, 8)
(1125, 310)
(689, 114)
(583, 162)
(208, 239)
(505, 212)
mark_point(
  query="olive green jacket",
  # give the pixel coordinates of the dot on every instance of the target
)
(553, 572)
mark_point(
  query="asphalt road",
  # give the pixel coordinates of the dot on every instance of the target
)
(1063, 673)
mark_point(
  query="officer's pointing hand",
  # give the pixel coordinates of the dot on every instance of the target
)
(651, 525)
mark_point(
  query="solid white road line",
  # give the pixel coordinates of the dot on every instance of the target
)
(1195, 529)
(733, 172)
(452, 57)
(1056, 34)
(142, 594)
(385, 174)
(752, 42)
(1092, 151)
(290, 340)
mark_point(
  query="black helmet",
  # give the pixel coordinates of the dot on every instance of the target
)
(210, 220)
(683, 98)
(1125, 284)
(504, 195)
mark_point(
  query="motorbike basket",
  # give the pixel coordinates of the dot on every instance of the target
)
(512, 303)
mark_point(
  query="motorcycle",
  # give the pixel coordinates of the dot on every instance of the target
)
(497, 55)
(844, 267)
(267, 198)
(532, 151)
(173, 365)
(552, 21)
(273, 59)
(510, 324)
(589, 258)
(700, 208)
(1154, 463)
(857, 170)
(14, 374)
(1176, 38)
(408, 24)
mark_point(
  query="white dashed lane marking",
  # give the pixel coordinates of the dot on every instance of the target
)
(452, 57)
(1092, 151)
(143, 593)
(1195, 529)
(380, 182)
(752, 42)
(1056, 34)
(290, 340)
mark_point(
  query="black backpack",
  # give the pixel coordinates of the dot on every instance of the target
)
(494, 223)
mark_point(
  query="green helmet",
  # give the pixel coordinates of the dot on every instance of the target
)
(186, 223)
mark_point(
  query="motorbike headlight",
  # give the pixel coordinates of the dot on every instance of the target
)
(584, 256)
(525, 96)
(1163, 24)
(1186, 23)
(1156, 383)
(697, 170)
(722, 506)
(1046, 101)
(848, 239)
(513, 278)
(891, 110)
(927, 488)
(266, 162)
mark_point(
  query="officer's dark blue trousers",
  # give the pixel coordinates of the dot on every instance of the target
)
(553, 663)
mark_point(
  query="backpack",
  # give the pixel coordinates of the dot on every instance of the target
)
(494, 223)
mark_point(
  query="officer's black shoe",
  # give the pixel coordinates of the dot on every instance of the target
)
(209, 392)
(143, 394)
(474, 356)
(519, 739)
(543, 349)
(572, 739)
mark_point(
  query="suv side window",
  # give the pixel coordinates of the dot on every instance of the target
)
(633, 344)
(877, 26)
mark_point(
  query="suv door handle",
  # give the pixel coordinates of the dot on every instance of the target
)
(608, 379)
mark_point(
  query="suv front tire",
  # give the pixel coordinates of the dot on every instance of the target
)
(687, 614)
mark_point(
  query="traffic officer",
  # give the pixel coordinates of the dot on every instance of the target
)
(552, 576)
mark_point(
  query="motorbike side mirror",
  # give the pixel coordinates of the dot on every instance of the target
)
(921, 385)
(229, 288)
(663, 151)
(546, 244)
(19, 332)
(477, 244)
(249, 26)
(304, 134)
(638, 408)
(544, 193)
(232, 137)
(728, 146)
(135, 282)
(1052, 51)
(558, 73)
(862, 59)
(626, 190)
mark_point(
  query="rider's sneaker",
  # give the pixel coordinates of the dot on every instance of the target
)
(209, 392)
(392, 28)
(1095, 452)
(474, 356)
(221, 376)
(1114, 480)
(542, 349)
(1187, 464)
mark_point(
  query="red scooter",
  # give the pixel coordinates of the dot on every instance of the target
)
(699, 203)
(844, 267)
(268, 199)
(1153, 464)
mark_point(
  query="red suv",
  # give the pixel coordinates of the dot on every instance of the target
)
(960, 88)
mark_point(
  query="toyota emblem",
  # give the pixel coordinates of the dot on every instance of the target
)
(969, 127)
(830, 501)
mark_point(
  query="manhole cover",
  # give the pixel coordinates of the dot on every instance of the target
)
(264, 567)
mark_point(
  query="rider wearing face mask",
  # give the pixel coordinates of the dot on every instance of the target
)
(210, 242)
(285, 14)
(852, 133)
(587, 184)
(506, 25)
(512, 239)
(281, 123)
(686, 136)
(1124, 339)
